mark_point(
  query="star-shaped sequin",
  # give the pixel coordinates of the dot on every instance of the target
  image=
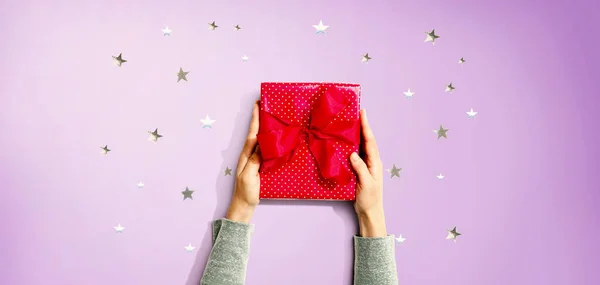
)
(441, 132)
(461, 60)
(409, 94)
(245, 58)
(182, 75)
(453, 234)
(189, 247)
(207, 122)
(366, 57)
(440, 176)
(450, 88)
(237, 27)
(105, 149)
(119, 60)
(400, 239)
(140, 184)
(394, 171)
(187, 193)
(212, 26)
(166, 31)
(431, 36)
(119, 228)
(320, 28)
(471, 113)
(228, 171)
(154, 136)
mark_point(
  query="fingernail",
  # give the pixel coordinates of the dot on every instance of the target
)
(354, 156)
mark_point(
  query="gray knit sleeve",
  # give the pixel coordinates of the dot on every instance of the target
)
(229, 255)
(375, 261)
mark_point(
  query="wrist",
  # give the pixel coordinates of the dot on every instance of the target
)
(240, 212)
(372, 224)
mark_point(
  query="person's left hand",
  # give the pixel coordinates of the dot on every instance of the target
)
(247, 179)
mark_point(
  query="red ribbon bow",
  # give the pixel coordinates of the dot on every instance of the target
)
(279, 139)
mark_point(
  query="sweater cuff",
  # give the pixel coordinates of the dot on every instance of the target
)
(242, 229)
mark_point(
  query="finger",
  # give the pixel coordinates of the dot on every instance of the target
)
(254, 121)
(253, 164)
(370, 146)
(251, 141)
(360, 167)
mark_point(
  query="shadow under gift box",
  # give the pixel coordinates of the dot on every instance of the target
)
(306, 135)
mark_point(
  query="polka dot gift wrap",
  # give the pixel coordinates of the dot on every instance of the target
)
(307, 133)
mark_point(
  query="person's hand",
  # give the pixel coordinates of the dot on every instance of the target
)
(247, 179)
(369, 191)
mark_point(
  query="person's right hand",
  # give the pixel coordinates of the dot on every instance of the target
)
(369, 190)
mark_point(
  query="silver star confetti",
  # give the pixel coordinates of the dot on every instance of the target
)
(105, 149)
(237, 27)
(212, 26)
(228, 171)
(431, 36)
(189, 247)
(441, 132)
(400, 239)
(394, 171)
(450, 88)
(119, 228)
(320, 28)
(366, 58)
(166, 31)
(461, 61)
(245, 58)
(154, 136)
(453, 234)
(182, 75)
(440, 176)
(140, 184)
(207, 122)
(409, 94)
(118, 60)
(471, 113)
(187, 193)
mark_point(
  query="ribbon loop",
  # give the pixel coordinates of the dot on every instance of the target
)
(279, 139)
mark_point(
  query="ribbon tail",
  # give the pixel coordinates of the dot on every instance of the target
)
(328, 161)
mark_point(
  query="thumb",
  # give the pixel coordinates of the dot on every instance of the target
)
(360, 167)
(253, 164)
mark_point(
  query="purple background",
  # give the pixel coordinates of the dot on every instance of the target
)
(521, 178)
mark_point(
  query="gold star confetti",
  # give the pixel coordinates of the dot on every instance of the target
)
(366, 57)
(431, 36)
(441, 132)
(394, 171)
(119, 60)
(461, 61)
(212, 26)
(154, 136)
(187, 193)
(450, 88)
(453, 234)
(105, 149)
(237, 27)
(182, 75)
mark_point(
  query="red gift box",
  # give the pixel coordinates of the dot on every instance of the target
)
(306, 135)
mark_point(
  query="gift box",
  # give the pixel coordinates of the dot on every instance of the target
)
(306, 135)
